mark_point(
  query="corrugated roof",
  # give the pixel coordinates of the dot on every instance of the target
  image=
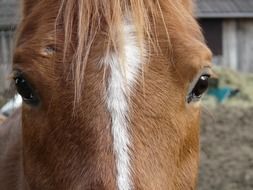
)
(9, 13)
(225, 8)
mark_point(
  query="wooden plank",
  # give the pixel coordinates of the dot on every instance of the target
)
(4, 47)
(6, 40)
(4, 77)
(245, 45)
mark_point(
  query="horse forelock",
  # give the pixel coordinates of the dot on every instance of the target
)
(85, 19)
(82, 21)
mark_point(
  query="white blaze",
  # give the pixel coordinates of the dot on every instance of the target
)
(121, 83)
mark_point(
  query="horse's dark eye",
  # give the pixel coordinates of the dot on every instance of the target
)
(25, 90)
(199, 89)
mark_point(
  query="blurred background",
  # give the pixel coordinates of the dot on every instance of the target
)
(227, 123)
(227, 119)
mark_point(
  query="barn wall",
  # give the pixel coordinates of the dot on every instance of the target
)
(237, 42)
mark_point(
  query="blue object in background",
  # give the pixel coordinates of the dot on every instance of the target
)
(222, 94)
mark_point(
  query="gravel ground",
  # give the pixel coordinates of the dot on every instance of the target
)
(227, 149)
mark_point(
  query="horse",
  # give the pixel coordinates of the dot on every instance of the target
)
(111, 96)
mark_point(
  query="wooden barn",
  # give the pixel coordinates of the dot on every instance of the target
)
(228, 29)
(8, 20)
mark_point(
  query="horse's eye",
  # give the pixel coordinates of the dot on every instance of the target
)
(199, 89)
(25, 90)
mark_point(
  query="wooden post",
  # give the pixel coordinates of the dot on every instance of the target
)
(230, 53)
(5, 64)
